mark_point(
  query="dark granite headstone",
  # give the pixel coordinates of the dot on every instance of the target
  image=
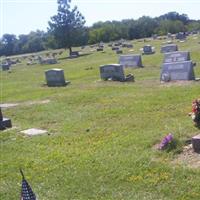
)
(114, 72)
(169, 48)
(181, 36)
(55, 78)
(130, 60)
(100, 49)
(148, 49)
(4, 122)
(196, 143)
(129, 45)
(115, 48)
(119, 51)
(177, 56)
(5, 66)
(177, 71)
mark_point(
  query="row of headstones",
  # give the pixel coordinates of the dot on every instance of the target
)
(55, 77)
(7, 63)
(178, 36)
(176, 64)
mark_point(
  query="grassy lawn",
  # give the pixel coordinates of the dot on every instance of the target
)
(101, 133)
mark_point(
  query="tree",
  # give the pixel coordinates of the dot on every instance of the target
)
(66, 26)
(8, 43)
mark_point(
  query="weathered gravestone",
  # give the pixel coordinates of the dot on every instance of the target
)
(74, 54)
(119, 51)
(55, 78)
(196, 143)
(177, 71)
(4, 122)
(47, 60)
(181, 36)
(177, 56)
(5, 66)
(130, 60)
(115, 48)
(129, 45)
(154, 36)
(169, 48)
(148, 49)
(114, 72)
(100, 49)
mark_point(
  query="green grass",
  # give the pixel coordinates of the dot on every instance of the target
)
(101, 133)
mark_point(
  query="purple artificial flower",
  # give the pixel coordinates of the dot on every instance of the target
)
(165, 141)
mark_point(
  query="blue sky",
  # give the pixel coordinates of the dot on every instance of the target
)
(22, 16)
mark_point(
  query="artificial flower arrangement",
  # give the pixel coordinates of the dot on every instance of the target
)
(165, 141)
(195, 114)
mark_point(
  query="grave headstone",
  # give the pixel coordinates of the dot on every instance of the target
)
(100, 49)
(181, 36)
(47, 60)
(34, 131)
(55, 78)
(129, 45)
(115, 48)
(119, 51)
(154, 36)
(4, 122)
(114, 72)
(169, 48)
(5, 66)
(177, 56)
(131, 60)
(196, 143)
(177, 71)
(148, 49)
(74, 54)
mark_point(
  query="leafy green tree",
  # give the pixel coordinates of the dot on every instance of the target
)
(66, 26)
(8, 42)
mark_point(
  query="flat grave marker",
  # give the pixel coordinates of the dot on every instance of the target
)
(33, 132)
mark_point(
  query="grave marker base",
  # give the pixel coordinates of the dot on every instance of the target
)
(5, 123)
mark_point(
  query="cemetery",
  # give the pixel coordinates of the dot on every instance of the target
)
(78, 125)
(111, 118)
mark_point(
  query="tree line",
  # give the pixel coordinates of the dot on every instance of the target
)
(76, 34)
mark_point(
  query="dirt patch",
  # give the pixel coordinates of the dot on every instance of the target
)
(27, 103)
(188, 158)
